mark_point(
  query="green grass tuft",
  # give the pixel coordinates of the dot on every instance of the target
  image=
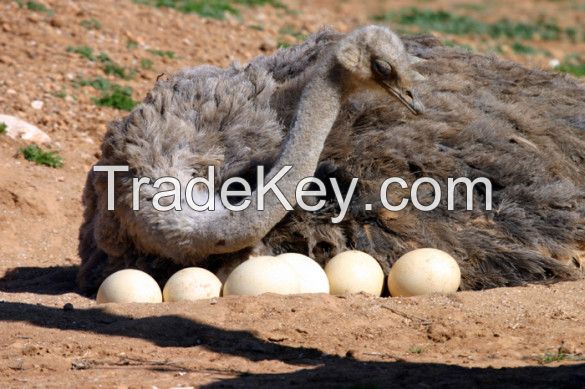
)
(91, 24)
(117, 97)
(578, 70)
(108, 65)
(430, 20)
(112, 68)
(60, 94)
(523, 49)
(215, 9)
(573, 64)
(449, 23)
(256, 3)
(571, 33)
(112, 95)
(162, 53)
(38, 7)
(98, 83)
(416, 350)
(146, 63)
(39, 156)
(3, 128)
(554, 357)
(84, 51)
(131, 44)
(560, 354)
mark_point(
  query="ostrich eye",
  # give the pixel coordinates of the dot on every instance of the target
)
(382, 68)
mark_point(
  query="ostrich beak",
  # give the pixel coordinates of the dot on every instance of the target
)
(406, 97)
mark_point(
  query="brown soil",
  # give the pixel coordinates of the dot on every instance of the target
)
(515, 336)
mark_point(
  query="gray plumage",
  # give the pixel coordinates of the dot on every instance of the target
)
(523, 129)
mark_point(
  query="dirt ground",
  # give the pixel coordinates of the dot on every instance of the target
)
(530, 336)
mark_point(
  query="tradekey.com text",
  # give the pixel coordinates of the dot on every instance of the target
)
(200, 195)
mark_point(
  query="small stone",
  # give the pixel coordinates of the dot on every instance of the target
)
(351, 354)
(289, 40)
(553, 63)
(57, 22)
(37, 104)
(68, 307)
(33, 17)
(268, 45)
(22, 99)
(6, 60)
(18, 128)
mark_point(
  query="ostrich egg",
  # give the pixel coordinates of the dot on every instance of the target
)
(129, 286)
(259, 275)
(190, 284)
(354, 271)
(310, 275)
(424, 271)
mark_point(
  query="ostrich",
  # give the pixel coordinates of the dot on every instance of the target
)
(330, 107)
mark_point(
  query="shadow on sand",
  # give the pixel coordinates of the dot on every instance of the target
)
(40, 280)
(324, 371)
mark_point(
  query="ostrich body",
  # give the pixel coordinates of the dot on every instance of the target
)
(324, 108)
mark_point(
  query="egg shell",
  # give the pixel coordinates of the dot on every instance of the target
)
(311, 276)
(129, 286)
(424, 271)
(190, 284)
(259, 275)
(353, 272)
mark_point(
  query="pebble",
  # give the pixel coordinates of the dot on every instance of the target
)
(289, 40)
(7, 60)
(268, 45)
(18, 128)
(57, 22)
(37, 104)
(553, 63)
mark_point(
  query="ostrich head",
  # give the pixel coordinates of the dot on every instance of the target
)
(374, 57)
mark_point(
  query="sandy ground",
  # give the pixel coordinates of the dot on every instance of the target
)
(531, 336)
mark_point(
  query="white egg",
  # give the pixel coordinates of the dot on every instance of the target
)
(129, 286)
(310, 275)
(424, 271)
(354, 271)
(190, 284)
(260, 275)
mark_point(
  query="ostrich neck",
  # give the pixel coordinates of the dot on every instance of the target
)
(316, 114)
